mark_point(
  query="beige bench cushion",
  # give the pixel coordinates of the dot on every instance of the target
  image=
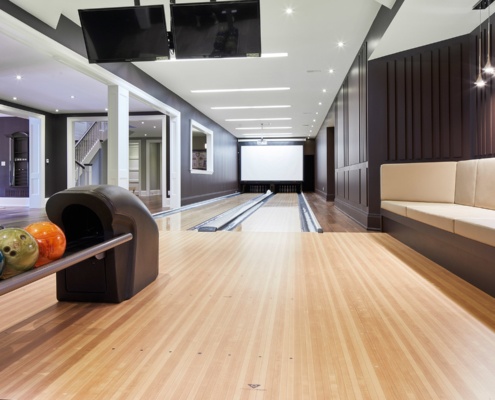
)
(479, 229)
(485, 184)
(397, 207)
(427, 182)
(443, 216)
(465, 182)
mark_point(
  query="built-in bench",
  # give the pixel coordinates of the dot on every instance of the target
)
(446, 211)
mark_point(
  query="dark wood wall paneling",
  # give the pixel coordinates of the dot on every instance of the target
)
(420, 106)
(351, 124)
(325, 163)
(425, 108)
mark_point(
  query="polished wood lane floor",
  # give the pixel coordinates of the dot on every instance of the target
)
(285, 316)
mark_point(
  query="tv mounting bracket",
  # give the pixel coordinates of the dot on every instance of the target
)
(482, 4)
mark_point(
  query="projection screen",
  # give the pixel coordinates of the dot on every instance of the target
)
(274, 163)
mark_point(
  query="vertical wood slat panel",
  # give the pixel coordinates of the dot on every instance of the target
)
(409, 108)
(456, 110)
(391, 112)
(363, 127)
(401, 110)
(345, 120)
(339, 123)
(426, 103)
(445, 107)
(436, 100)
(416, 112)
(354, 115)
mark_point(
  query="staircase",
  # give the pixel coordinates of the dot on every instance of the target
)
(86, 148)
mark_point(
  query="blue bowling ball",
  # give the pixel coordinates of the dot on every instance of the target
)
(2, 262)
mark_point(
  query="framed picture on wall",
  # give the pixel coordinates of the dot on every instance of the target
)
(199, 159)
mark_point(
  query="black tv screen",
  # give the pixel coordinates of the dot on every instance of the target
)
(136, 33)
(216, 29)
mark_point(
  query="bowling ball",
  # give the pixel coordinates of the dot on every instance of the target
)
(2, 262)
(20, 251)
(51, 241)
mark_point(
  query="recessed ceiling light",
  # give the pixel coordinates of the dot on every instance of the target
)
(319, 103)
(264, 127)
(272, 55)
(256, 119)
(56, 110)
(72, 97)
(266, 134)
(289, 10)
(341, 44)
(142, 122)
(240, 90)
(324, 90)
(247, 107)
(106, 109)
(18, 77)
(14, 98)
(331, 71)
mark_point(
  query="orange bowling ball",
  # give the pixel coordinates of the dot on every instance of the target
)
(51, 241)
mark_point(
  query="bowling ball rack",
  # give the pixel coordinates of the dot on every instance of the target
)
(97, 251)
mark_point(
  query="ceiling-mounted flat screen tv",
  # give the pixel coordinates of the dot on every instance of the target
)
(216, 29)
(118, 34)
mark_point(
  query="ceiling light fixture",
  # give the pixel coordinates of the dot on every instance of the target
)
(324, 90)
(289, 10)
(479, 81)
(331, 71)
(256, 119)
(488, 66)
(263, 134)
(341, 44)
(247, 107)
(272, 89)
(264, 127)
(273, 55)
(18, 77)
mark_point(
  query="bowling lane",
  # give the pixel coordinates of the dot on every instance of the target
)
(279, 214)
(186, 219)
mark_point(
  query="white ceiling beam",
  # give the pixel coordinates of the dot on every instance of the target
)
(386, 3)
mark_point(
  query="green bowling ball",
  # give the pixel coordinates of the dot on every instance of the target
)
(20, 251)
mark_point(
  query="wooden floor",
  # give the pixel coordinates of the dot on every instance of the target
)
(259, 315)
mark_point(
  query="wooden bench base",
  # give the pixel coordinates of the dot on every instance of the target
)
(470, 260)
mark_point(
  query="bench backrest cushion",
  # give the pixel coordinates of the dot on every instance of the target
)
(428, 182)
(485, 184)
(465, 182)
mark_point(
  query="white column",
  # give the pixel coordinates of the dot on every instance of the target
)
(36, 162)
(118, 136)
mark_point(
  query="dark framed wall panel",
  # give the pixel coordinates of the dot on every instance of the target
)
(352, 141)
(425, 102)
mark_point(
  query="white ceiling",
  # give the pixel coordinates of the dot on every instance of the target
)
(309, 36)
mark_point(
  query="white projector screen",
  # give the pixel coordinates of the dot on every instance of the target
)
(276, 163)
